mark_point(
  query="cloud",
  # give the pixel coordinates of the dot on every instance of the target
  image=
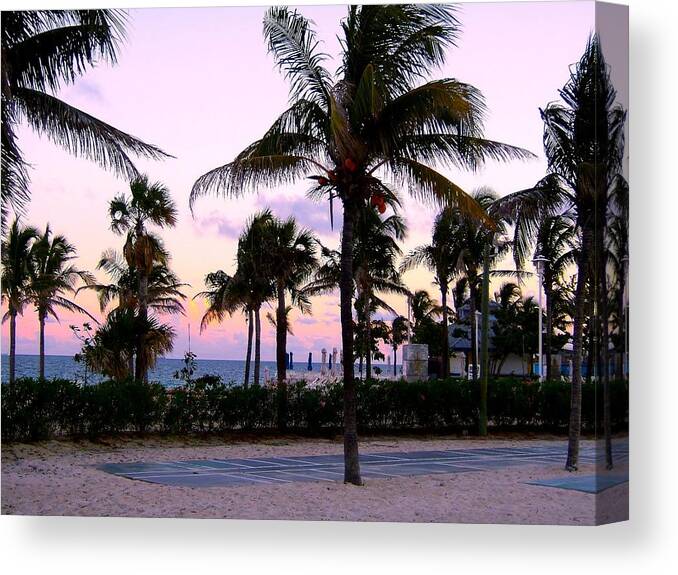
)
(222, 225)
(89, 90)
(308, 213)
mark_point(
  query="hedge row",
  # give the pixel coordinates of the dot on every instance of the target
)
(34, 409)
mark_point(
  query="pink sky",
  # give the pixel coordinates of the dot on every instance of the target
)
(199, 83)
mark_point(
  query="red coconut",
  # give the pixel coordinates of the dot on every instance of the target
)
(381, 207)
(349, 164)
(323, 181)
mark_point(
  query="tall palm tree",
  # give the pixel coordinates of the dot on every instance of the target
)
(377, 116)
(43, 51)
(556, 239)
(290, 261)
(440, 257)
(147, 204)
(618, 255)
(52, 276)
(16, 275)
(399, 332)
(584, 146)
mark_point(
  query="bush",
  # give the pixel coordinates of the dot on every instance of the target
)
(34, 409)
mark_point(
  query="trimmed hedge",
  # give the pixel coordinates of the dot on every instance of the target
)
(34, 409)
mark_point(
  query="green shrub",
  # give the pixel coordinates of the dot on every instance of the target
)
(34, 409)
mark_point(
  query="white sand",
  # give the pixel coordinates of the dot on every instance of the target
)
(59, 478)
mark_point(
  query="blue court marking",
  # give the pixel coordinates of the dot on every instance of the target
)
(283, 470)
(587, 483)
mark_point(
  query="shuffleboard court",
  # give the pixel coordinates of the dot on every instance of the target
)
(318, 468)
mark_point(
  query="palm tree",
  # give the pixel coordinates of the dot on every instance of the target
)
(618, 255)
(253, 273)
(16, 274)
(556, 238)
(147, 203)
(290, 260)
(226, 294)
(375, 253)
(52, 276)
(399, 332)
(376, 117)
(113, 347)
(164, 287)
(439, 257)
(43, 51)
(584, 146)
(478, 247)
(423, 308)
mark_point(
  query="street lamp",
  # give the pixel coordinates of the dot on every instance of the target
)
(539, 261)
(409, 318)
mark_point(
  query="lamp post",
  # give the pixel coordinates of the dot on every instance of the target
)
(409, 318)
(539, 262)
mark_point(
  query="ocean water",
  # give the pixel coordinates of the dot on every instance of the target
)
(230, 370)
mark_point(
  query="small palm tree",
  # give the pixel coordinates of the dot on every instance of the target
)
(441, 258)
(43, 51)
(52, 276)
(113, 347)
(399, 333)
(423, 308)
(290, 261)
(147, 204)
(226, 294)
(254, 275)
(556, 243)
(374, 266)
(16, 275)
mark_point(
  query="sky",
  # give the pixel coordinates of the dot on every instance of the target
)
(199, 83)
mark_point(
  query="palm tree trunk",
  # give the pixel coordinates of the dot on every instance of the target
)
(351, 461)
(603, 319)
(592, 322)
(140, 371)
(248, 358)
(12, 347)
(41, 321)
(281, 359)
(577, 345)
(621, 318)
(549, 331)
(257, 345)
(368, 336)
(395, 371)
(445, 339)
(485, 340)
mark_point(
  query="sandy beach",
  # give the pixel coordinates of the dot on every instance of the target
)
(60, 478)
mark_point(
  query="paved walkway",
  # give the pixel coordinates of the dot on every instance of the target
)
(275, 470)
